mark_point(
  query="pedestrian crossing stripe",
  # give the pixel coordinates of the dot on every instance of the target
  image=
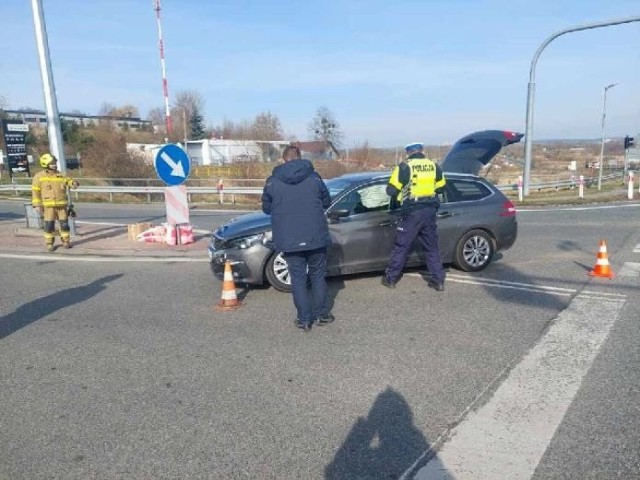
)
(630, 269)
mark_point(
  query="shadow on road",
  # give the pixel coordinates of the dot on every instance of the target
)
(384, 445)
(37, 309)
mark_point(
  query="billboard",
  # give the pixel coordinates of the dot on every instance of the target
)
(15, 132)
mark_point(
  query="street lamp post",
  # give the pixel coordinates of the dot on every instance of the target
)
(528, 137)
(604, 115)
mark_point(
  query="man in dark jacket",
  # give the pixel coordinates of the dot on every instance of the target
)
(295, 196)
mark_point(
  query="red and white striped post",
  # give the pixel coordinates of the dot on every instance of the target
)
(520, 197)
(221, 190)
(581, 187)
(165, 86)
(177, 204)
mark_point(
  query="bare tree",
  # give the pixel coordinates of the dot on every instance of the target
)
(266, 126)
(325, 127)
(185, 104)
(109, 110)
(233, 131)
(3, 106)
(156, 116)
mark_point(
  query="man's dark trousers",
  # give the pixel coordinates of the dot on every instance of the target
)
(419, 222)
(309, 304)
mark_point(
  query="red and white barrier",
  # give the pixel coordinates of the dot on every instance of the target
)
(185, 234)
(177, 204)
(153, 235)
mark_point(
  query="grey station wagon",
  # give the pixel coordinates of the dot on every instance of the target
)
(475, 220)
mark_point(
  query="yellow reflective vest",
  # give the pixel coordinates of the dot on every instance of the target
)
(49, 189)
(417, 179)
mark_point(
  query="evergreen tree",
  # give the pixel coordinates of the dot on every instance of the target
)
(197, 125)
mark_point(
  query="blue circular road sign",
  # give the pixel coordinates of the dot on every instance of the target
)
(172, 164)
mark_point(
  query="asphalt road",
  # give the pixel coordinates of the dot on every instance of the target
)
(121, 370)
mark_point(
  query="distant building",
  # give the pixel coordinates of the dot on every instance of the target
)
(38, 118)
(223, 152)
(146, 151)
(318, 150)
(215, 152)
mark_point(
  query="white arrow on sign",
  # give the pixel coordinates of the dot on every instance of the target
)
(177, 170)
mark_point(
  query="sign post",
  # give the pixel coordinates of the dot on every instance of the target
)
(173, 166)
(15, 132)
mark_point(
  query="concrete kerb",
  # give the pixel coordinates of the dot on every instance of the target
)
(96, 242)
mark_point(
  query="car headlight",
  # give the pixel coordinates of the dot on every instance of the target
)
(267, 239)
(246, 242)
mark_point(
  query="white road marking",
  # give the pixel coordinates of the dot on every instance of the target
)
(637, 249)
(528, 287)
(53, 257)
(571, 209)
(630, 269)
(507, 437)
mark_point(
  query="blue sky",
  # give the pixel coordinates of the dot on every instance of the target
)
(391, 72)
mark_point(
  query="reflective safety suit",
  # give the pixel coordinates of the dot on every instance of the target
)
(415, 183)
(49, 190)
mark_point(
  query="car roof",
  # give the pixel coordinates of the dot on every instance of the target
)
(358, 177)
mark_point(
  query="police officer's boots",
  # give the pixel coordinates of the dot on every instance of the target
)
(50, 247)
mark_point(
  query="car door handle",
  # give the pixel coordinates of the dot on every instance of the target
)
(445, 214)
(388, 223)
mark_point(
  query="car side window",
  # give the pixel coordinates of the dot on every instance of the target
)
(370, 198)
(465, 190)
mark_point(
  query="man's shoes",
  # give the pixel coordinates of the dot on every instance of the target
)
(438, 287)
(305, 327)
(66, 244)
(325, 319)
(387, 283)
(50, 247)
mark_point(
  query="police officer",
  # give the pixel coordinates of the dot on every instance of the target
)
(49, 195)
(415, 183)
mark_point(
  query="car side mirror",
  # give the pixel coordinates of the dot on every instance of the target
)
(338, 213)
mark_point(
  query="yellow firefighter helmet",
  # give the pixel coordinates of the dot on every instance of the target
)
(46, 160)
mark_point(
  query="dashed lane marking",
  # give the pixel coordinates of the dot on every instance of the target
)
(630, 269)
(637, 249)
(507, 437)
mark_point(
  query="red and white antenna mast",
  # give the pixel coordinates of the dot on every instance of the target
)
(165, 88)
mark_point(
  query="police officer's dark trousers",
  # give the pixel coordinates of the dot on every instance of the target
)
(419, 222)
(309, 267)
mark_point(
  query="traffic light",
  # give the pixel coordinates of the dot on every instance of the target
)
(629, 142)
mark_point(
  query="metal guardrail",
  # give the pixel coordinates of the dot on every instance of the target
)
(112, 190)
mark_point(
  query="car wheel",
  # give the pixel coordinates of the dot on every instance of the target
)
(474, 251)
(277, 272)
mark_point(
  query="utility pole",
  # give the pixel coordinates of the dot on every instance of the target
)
(604, 115)
(53, 116)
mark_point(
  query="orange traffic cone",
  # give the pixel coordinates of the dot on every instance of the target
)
(602, 267)
(229, 299)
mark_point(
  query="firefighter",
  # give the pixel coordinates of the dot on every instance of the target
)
(49, 196)
(415, 184)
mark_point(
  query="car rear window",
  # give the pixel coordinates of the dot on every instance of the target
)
(465, 190)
